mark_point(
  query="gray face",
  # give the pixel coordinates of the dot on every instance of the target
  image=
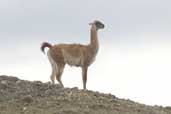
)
(99, 25)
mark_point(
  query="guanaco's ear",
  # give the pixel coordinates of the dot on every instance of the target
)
(90, 23)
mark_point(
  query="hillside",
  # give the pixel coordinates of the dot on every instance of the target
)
(26, 97)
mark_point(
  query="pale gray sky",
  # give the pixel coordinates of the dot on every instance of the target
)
(47, 17)
(134, 46)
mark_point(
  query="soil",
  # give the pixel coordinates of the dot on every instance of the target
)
(34, 97)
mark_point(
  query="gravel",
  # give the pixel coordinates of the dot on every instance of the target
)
(34, 97)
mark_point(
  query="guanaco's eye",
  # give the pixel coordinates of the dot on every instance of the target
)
(99, 24)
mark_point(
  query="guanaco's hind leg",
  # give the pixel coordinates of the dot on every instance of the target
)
(54, 68)
(52, 77)
(59, 73)
(84, 76)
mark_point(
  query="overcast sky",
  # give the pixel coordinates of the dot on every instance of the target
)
(134, 60)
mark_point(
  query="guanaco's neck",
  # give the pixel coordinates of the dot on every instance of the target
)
(94, 39)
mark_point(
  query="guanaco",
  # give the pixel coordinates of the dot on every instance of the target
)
(73, 54)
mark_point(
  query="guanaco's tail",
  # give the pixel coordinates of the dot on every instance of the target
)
(44, 45)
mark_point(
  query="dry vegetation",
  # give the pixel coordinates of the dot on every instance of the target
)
(26, 97)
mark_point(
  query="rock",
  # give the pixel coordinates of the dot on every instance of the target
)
(4, 82)
(24, 108)
(27, 99)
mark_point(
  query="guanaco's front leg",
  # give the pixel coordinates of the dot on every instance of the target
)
(84, 76)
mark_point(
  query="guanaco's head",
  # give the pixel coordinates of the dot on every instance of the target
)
(98, 24)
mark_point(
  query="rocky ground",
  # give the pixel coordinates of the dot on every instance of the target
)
(26, 97)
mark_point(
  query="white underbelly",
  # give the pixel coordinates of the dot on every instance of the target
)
(72, 60)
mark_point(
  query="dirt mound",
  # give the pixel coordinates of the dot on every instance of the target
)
(26, 97)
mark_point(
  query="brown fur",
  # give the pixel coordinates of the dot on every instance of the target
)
(73, 55)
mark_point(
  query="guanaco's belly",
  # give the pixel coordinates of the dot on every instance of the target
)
(72, 60)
